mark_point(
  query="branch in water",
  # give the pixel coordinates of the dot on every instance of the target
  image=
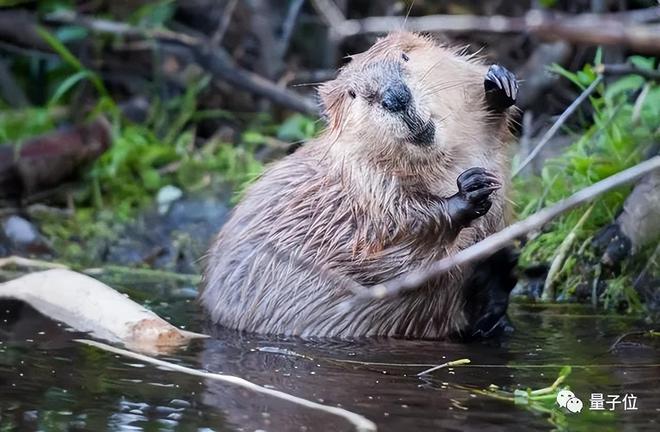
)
(361, 423)
(495, 242)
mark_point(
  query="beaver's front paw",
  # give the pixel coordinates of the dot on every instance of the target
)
(501, 88)
(475, 186)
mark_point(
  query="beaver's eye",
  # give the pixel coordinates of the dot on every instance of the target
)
(351, 93)
(405, 57)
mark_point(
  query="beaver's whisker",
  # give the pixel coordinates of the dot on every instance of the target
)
(440, 89)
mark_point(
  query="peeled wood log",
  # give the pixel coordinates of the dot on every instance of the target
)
(90, 306)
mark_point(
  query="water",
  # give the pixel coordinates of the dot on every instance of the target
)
(48, 382)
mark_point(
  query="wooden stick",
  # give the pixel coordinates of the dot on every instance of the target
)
(215, 60)
(627, 69)
(558, 124)
(361, 423)
(620, 28)
(18, 261)
(459, 362)
(223, 25)
(548, 293)
(602, 70)
(493, 243)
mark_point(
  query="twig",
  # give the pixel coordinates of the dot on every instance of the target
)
(494, 366)
(361, 423)
(459, 362)
(633, 333)
(116, 28)
(213, 59)
(627, 69)
(288, 26)
(651, 262)
(546, 390)
(620, 28)
(558, 124)
(27, 262)
(19, 261)
(493, 243)
(558, 261)
(9, 88)
(146, 273)
(225, 19)
(330, 14)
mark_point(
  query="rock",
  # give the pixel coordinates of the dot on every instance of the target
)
(22, 237)
(166, 196)
(174, 239)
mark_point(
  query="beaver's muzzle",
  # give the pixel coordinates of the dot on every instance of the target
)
(396, 97)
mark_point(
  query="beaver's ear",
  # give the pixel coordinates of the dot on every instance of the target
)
(332, 98)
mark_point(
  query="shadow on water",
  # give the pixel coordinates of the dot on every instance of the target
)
(49, 382)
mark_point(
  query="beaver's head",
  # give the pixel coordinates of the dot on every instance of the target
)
(406, 96)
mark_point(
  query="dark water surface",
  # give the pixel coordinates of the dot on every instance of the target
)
(48, 382)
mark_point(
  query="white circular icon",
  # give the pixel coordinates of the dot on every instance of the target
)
(563, 397)
(574, 405)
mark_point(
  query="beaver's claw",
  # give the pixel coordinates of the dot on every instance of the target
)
(501, 88)
(475, 186)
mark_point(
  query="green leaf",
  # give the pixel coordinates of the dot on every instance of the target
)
(252, 137)
(598, 58)
(555, 68)
(151, 179)
(643, 62)
(69, 58)
(154, 14)
(548, 3)
(67, 85)
(59, 48)
(296, 128)
(623, 85)
(71, 33)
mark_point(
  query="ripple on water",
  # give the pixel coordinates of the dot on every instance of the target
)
(53, 381)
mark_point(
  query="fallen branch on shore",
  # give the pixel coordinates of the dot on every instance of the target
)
(361, 423)
(414, 279)
(629, 28)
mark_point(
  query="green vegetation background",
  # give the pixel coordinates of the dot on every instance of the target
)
(164, 151)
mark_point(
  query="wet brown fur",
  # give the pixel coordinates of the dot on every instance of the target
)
(356, 205)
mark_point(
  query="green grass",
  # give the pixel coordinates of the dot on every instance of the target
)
(164, 150)
(620, 133)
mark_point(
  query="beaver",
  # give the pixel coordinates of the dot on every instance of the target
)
(412, 167)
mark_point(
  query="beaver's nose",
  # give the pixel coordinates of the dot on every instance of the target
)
(396, 97)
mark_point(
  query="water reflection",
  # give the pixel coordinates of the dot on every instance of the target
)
(50, 383)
